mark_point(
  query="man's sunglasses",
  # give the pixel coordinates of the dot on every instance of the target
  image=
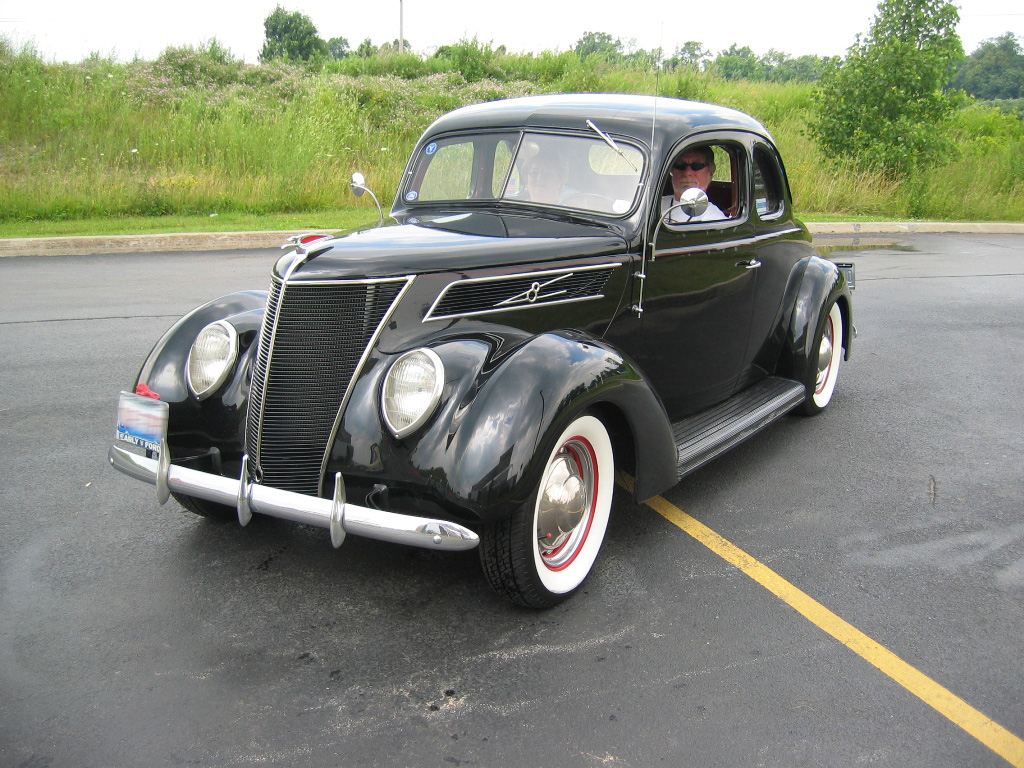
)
(681, 166)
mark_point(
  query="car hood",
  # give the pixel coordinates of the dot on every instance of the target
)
(446, 243)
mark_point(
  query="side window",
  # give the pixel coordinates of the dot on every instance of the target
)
(461, 168)
(713, 168)
(450, 173)
(768, 198)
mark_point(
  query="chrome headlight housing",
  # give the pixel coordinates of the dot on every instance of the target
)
(211, 358)
(411, 391)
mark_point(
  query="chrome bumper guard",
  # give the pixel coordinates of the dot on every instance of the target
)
(335, 514)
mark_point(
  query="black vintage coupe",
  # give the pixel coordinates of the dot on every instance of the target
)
(570, 286)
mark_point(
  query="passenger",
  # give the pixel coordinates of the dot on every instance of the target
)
(693, 168)
(545, 178)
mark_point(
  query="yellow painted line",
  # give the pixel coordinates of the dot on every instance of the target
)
(980, 726)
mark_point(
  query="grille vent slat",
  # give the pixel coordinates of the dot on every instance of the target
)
(312, 339)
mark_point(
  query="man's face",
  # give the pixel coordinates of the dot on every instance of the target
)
(684, 176)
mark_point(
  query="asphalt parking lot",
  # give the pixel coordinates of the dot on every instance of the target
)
(838, 591)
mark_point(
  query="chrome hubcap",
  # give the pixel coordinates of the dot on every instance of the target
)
(564, 505)
(824, 358)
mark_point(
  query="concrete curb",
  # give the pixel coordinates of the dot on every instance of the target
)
(199, 241)
(223, 241)
(916, 227)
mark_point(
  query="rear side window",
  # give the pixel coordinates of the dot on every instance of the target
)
(768, 199)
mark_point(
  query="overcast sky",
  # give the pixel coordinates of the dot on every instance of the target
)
(69, 30)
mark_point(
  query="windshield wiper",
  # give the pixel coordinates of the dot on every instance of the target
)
(611, 143)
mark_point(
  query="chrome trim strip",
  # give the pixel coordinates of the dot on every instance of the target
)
(358, 521)
(270, 353)
(409, 280)
(726, 245)
(353, 281)
(502, 307)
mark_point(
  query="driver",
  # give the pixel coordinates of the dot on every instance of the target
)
(693, 168)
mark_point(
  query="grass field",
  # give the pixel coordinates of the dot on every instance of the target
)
(198, 139)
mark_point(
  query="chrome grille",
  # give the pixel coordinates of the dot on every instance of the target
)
(313, 337)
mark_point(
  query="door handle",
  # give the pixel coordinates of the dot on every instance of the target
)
(751, 264)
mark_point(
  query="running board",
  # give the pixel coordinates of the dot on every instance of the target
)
(703, 436)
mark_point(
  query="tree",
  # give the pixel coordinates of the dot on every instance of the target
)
(738, 64)
(338, 48)
(807, 68)
(291, 36)
(883, 105)
(394, 47)
(600, 44)
(994, 71)
(692, 54)
(366, 49)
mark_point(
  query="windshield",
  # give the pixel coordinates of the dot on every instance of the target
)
(577, 172)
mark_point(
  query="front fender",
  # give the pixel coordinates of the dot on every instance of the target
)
(484, 450)
(219, 420)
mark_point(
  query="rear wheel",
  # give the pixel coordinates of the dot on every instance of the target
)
(542, 553)
(824, 373)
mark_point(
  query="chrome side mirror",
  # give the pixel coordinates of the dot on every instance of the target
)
(693, 202)
(358, 186)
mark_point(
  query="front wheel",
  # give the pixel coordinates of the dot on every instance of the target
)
(543, 552)
(211, 510)
(828, 357)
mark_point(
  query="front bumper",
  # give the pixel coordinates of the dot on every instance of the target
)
(335, 514)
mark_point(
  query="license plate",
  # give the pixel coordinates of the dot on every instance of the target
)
(851, 274)
(141, 421)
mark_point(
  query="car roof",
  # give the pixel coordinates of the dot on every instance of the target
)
(623, 114)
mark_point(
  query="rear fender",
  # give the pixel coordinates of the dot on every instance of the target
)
(821, 284)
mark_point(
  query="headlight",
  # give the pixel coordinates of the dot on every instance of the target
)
(211, 357)
(411, 391)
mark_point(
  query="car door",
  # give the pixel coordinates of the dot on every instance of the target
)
(698, 291)
(780, 245)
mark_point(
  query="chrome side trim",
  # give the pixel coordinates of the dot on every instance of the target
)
(309, 510)
(521, 300)
(727, 244)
